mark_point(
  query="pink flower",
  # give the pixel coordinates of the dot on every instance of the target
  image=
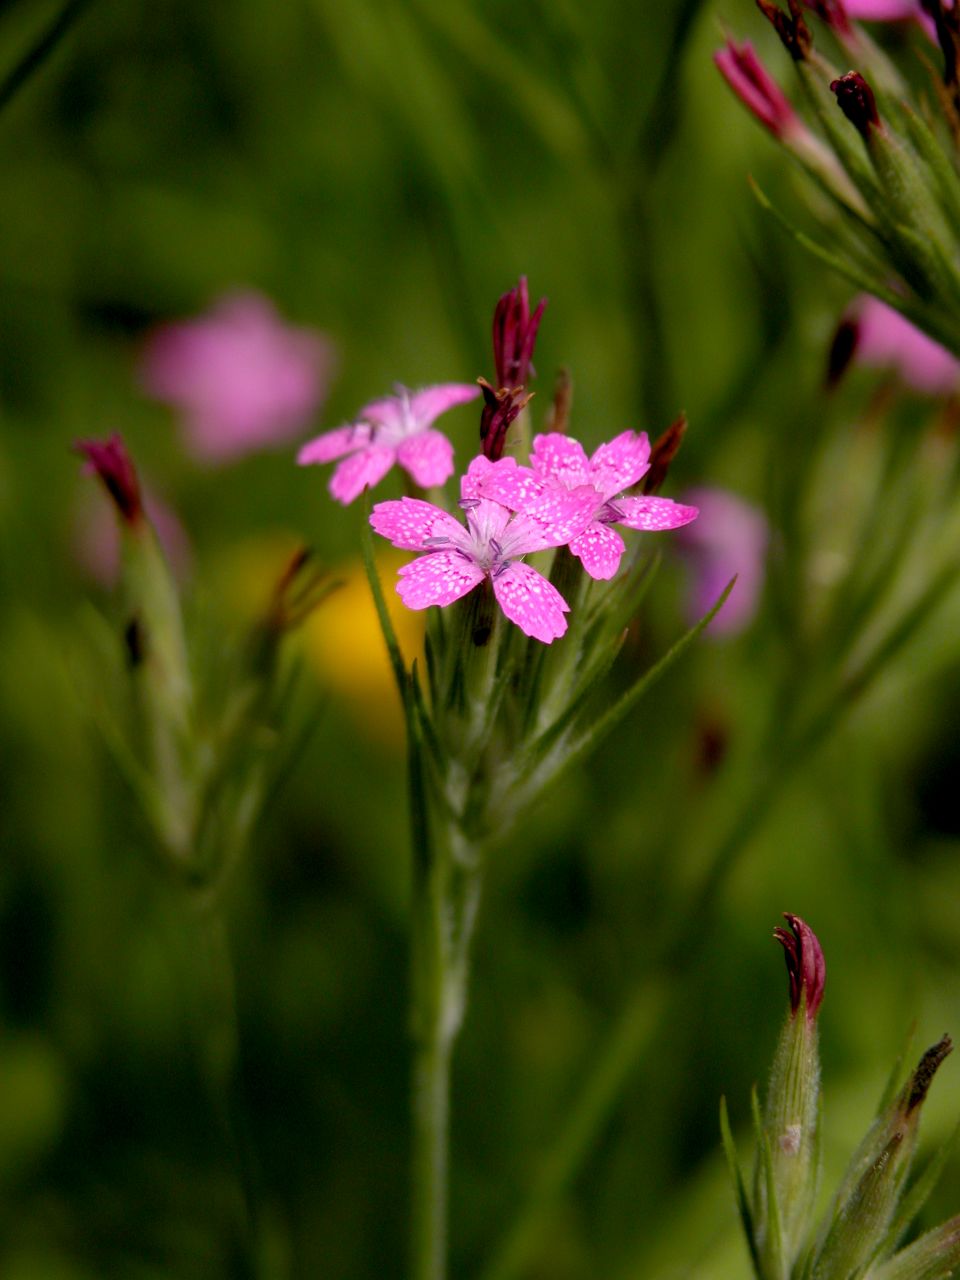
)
(729, 538)
(241, 378)
(886, 339)
(398, 429)
(491, 546)
(756, 88)
(559, 464)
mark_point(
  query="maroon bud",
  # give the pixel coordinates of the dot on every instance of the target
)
(499, 410)
(842, 350)
(855, 99)
(109, 460)
(805, 964)
(793, 31)
(515, 335)
(665, 449)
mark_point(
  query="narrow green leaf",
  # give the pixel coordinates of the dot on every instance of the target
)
(739, 1189)
(913, 1202)
(772, 1245)
(595, 735)
(386, 626)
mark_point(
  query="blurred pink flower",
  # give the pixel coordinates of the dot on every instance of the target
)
(241, 379)
(729, 537)
(396, 429)
(884, 338)
(560, 465)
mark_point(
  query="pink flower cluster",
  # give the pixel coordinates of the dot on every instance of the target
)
(563, 499)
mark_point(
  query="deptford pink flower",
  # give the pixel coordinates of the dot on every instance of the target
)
(108, 459)
(756, 88)
(490, 546)
(241, 378)
(559, 464)
(729, 537)
(883, 338)
(806, 967)
(396, 429)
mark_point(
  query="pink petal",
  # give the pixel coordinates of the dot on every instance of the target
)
(730, 537)
(559, 457)
(334, 444)
(428, 458)
(561, 514)
(514, 486)
(361, 471)
(620, 463)
(599, 549)
(386, 412)
(652, 513)
(410, 523)
(428, 404)
(437, 578)
(886, 338)
(529, 600)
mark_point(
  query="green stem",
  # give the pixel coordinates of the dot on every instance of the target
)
(446, 897)
(218, 1043)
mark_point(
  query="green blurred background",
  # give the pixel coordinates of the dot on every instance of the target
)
(384, 169)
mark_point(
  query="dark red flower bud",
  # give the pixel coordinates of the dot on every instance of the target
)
(109, 460)
(805, 964)
(665, 449)
(515, 335)
(499, 410)
(793, 31)
(855, 99)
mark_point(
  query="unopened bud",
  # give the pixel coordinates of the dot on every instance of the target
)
(793, 1103)
(791, 28)
(756, 88)
(855, 99)
(515, 335)
(110, 462)
(665, 449)
(870, 1192)
(500, 408)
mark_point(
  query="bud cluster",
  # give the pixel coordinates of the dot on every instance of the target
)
(195, 750)
(889, 166)
(859, 1236)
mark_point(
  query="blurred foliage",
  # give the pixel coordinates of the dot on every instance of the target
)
(384, 169)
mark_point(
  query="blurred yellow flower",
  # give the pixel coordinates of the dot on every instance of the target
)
(341, 642)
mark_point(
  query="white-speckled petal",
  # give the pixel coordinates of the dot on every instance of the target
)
(427, 457)
(437, 578)
(428, 404)
(620, 462)
(515, 486)
(529, 600)
(560, 457)
(415, 525)
(361, 471)
(653, 513)
(599, 549)
(334, 444)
